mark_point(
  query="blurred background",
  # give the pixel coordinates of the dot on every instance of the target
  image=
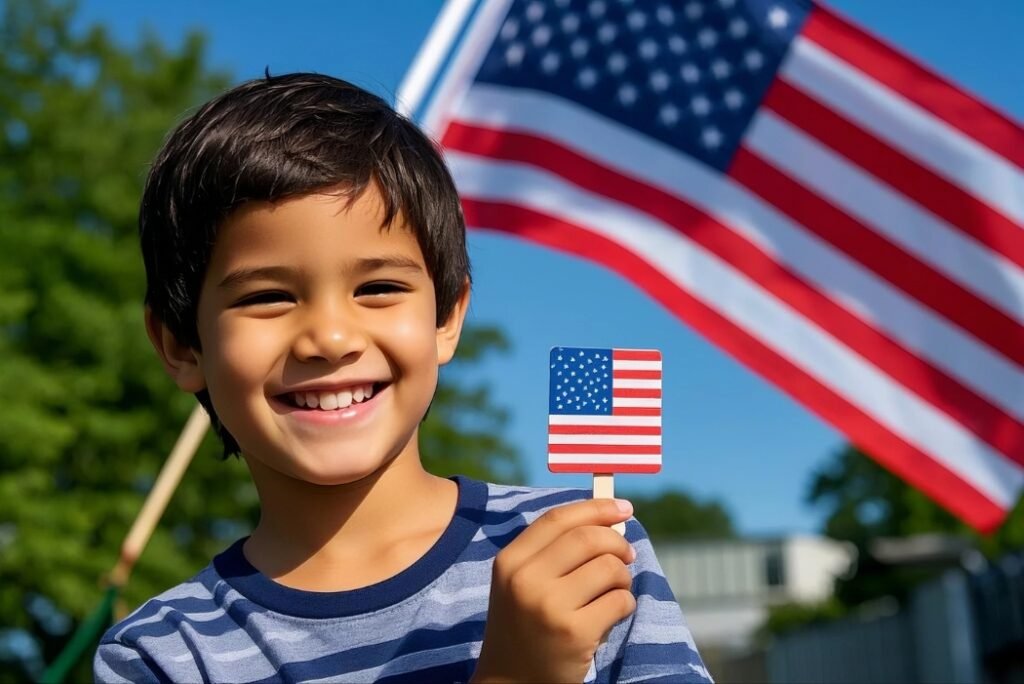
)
(795, 557)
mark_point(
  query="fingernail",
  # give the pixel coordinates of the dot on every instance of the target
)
(625, 507)
(632, 554)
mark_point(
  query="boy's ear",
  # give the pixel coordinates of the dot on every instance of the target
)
(449, 331)
(180, 361)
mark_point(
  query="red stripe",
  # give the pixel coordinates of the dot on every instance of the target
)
(946, 200)
(597, 468)
(984, 419)
(875, 252)
(918, 84)
(646, 449)
(890, 450)
(635, 411)
(636, 374)
(636, 355)
(604, 430)
(636, 393)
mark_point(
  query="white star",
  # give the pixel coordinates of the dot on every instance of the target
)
(665, 15)
(720, 68)
(707, 38)
(677, 45)
(778, 18)
(690, 73)
(559, 357)
(534, 11)
(587, 78)
(579, 48)
(514, 54)
(711, 137)
(648, 49)
(659, 81)
(700, 105)
(560, 407)
(738, 28)
(607, 33)
(669, 114)
(733, 98)
(617, 62)
(550, 63)
(636, 20)
(693, 11)
(753, 59)
(541, 35)
(510, 29)
(570, 22)
(627, 94)
(597, 8)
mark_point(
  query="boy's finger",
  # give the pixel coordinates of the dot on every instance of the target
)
(577, 547)
(558, 521)
(602, 613)
(594, 579)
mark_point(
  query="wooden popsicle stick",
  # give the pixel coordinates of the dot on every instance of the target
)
(156, 501)
(604, 488)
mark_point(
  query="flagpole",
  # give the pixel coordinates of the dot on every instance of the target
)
(424, 66)
(156, 501)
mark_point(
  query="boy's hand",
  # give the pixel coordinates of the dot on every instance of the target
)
(556, 591)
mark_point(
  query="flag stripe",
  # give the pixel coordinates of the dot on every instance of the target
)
(888, 260)
(619, 391)
(577, 429)
(916, 83)
(952, 488)
(887, 212)
(627, 383)
(635, 355)
(635, 402)
(638, 468)
(605, 421)
(636, 374)
(606, 457)
(736, 296)
(607, 440)
(620, 410)
(938, 195)
(927, 381)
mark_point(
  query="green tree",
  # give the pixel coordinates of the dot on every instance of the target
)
(91, 415)
(677, 515)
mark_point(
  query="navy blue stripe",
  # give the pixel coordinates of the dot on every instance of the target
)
(233, 566)
(172, 622)
(375, 655)
(653, 585)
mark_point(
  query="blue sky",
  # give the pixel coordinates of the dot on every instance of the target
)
(728, 434)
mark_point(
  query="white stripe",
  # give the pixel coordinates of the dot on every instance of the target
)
(424, 66)
(630, 459)
(636, 365)
(749, 307)
(906, 126)
(986, 273)
(638, 421)
(629, 383)
(654, 440)
(831, 272)
(636, 402)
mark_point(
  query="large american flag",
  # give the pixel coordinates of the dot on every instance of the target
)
(834, 215)
(604, 410)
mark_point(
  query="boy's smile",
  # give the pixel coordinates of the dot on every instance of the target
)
(320, 347)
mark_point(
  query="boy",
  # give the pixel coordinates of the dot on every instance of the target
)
(307, 275)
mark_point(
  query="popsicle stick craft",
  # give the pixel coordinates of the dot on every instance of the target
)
(604, 414)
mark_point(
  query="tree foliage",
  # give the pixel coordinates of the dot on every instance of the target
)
(90, 414)
(675, 514)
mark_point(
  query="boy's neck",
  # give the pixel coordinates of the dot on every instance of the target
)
(320, 538)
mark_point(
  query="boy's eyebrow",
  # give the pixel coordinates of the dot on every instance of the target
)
(242, 276)
(367, 265)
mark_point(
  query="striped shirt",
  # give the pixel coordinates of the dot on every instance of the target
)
(232, 624)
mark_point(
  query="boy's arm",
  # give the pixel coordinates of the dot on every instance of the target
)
(116, 663)
(654, 643)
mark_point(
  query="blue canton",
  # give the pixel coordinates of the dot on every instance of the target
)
(689, 73)
(581, 381)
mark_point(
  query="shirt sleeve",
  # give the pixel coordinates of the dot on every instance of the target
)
(653, 644)
(116, 663)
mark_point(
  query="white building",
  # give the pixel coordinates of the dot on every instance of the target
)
(726, 586)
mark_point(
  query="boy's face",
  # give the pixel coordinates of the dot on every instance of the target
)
(307, 302)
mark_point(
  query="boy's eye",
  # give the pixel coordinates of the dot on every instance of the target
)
(268, 297)
(381, 287)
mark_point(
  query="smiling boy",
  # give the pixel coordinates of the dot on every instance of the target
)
(306, 277)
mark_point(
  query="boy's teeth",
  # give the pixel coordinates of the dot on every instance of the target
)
(331, 401)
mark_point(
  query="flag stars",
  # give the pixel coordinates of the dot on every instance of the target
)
(627, 94)
(550, 62)
(514, 54)
(753, 59)
(541, 35)
(665, 15)
(510, 29)
(733, 98)
(636, 20)
(707, 38)
(659, 81)
(570, 23)
(700, 105)
(606, 33)
(587, 78)
(535, 11)
(597, 8)
(711, 137)
(579, 48)
(720, 69)
(669, 115)
(738, 28)
(617, 63)
(677, 45)
(778, 18)
(690, 73)
(648, 49)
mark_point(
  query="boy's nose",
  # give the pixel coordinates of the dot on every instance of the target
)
(328, 336)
